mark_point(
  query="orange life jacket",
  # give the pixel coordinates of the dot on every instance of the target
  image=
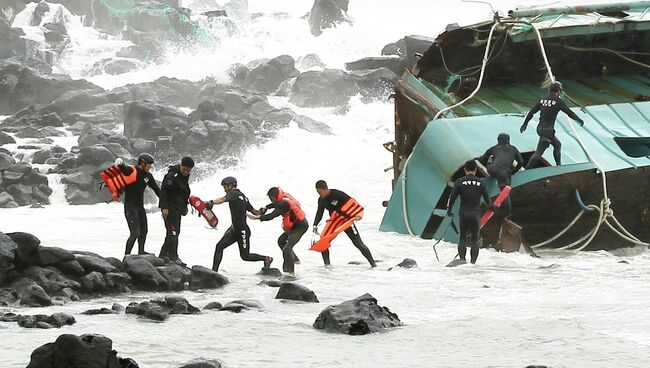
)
(295, 213)
(115, 180)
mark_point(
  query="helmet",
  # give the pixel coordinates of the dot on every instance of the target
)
(145, 158)
(556, 86)
(229, 180)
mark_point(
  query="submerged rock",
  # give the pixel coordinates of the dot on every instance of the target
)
(291, 291)
(358, 316)
(243, 304)
(203, 363)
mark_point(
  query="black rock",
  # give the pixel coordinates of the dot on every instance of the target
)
(72, 268)
(93, 283)
(118, 282)
(243, 304)
(54, 255)
(144, 274)
(118, 308)
(9, 317)
(213, 305)
(35, 296)
(175, 275)
(92, 312)
(357, 317)
(271, 283)
(50, 279)
(291, 291)
(273, 272)
(203, 363)
(8, 296)
(180, 305)
(152, 311)
(7, 256)
(407, 263)
(267, 77)
(205, 278)
(71, 351)
(327, 88)
(92, 263)
(27, 251)
(327, 14)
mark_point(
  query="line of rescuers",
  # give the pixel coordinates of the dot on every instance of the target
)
(174, 196)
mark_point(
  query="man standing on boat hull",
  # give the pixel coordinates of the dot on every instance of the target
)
(548, 107)
(470, 188)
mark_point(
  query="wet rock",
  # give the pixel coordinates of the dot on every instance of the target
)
(175, 275)
(392, 63)
(205, 278)
(237, 306)
(24, 86)
(180, 305)
(92, 263)
(291, 291)
(9, 317)
(327, 88)
(407, 48)
(144, 274)
(204, 363)
(327, 14)
(118, 282)
(151, 258)
(358, 316)
(50, 279)
(27, 250)
(150, 120)
(271, 283)
(152, 311)
(407, 263)
(376, 83)
(213, 305)
(35, 296)
(8, 296)
(310, 62)
(72, 268)
(7, 256)
(267, 77)
(272, 272)
(6, 139)
(6, 161)
(53, 255)
(41, 156)
(88, 351)
(6, 200)
(56, 320)
(93, 283)
(94, 312)
(114, 66)
(114, 262)
(117, 308)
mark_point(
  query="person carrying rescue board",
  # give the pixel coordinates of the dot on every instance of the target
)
(132, 180)
(343, 209)
(470, 188)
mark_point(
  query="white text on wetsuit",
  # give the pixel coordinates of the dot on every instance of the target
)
(547, 103)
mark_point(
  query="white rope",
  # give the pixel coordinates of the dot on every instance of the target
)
(404, 209)
(480, 79)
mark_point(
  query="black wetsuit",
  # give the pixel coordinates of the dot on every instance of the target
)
(471, 189)
(290, 237)
(238, 232)
(174, 196)
(134, 212)
(504, 155)
(548, 107)
(333, 202)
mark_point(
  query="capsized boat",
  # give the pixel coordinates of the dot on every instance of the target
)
(477, 81)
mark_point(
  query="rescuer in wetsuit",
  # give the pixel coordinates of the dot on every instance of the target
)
(238, 232)
(470, 188)
(503, 156)
(136, 217)
(548, 107)
(294, 224)
(334, 200)
(174, 198)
